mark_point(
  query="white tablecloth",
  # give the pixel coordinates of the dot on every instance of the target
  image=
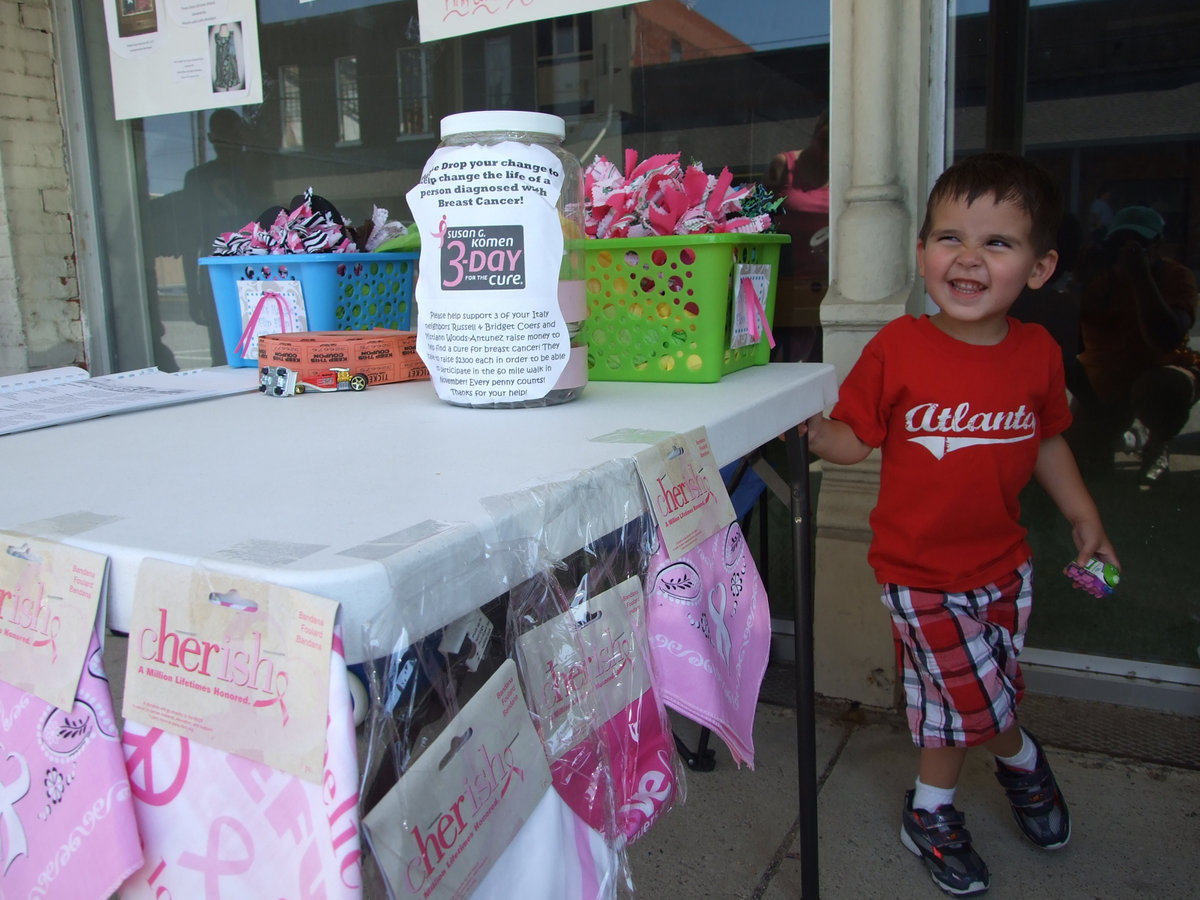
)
(389, 497)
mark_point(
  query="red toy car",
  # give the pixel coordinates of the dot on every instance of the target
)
(280, 381)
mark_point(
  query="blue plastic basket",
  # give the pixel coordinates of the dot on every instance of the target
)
(342, 291)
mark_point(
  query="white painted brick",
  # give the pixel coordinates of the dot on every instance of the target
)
(28, 244)
(10, 16)
(35, 133)
(39, 62)
(56, 200)
(20, 153)
(28, 109)
(17, 177)
(12, 60)
(36, 16)
(24, 85)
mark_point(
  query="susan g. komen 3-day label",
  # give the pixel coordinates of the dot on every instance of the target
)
(49, 597)
(489, 323)
(439, 830)
(234, 664)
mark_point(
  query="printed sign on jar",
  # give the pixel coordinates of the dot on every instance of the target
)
(490, 327)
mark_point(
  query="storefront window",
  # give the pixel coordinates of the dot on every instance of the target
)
(351, 105)
(1108, 99)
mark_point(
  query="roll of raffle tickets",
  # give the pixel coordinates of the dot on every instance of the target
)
(501, 300)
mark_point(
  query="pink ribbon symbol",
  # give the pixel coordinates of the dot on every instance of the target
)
(211, 864)
(10, 820)
(285, 319)
(757, 313)
(281, 685)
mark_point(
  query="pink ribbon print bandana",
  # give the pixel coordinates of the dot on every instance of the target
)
(67, 826)
(216, 825)
(710, 635)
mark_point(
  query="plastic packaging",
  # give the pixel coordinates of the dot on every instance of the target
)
(1098, 578)
(605, 789)
(501, 303)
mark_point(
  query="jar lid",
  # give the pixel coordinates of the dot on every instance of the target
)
(503, 120)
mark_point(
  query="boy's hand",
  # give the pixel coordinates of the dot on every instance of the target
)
(833, 440)
(1091, 541)
(812, 427)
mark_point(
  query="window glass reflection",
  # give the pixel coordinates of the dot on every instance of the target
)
(1112, 109)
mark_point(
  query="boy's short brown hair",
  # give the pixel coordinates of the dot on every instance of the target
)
(1008, 178)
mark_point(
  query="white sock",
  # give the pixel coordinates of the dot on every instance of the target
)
(929, 798)
(1024, 759)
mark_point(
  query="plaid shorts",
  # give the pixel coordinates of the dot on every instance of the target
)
(957, 653)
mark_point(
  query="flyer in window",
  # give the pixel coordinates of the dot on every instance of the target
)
(170, 56)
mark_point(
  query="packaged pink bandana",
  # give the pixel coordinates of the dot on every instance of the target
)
(215, 824)
(67, 826)
(709, 632)
(589, 684)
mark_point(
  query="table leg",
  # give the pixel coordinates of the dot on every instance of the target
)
(806, 748)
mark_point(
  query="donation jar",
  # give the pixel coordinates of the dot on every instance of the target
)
(500, 294)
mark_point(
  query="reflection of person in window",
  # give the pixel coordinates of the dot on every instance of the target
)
(1136, 310)
(227, 67)
(218, 200)
(801, 178)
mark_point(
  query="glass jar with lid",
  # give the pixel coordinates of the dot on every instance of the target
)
(500, 298)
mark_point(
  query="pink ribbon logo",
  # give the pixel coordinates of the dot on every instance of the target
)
(211, 864)
(249, 332)
(757, 314)
(11, 828)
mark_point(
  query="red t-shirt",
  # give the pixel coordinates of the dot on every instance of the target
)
(960, 427)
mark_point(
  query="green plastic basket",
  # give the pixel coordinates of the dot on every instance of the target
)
(659, 308)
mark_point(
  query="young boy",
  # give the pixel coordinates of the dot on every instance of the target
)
(966, 405)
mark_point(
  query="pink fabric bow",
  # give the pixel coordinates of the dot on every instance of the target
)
(285, 320)
(658, 196)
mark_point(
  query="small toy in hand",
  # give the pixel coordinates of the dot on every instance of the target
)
(1098, 578)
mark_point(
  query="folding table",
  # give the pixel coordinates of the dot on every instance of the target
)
(391, 496)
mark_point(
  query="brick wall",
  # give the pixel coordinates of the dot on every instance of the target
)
(40, 324)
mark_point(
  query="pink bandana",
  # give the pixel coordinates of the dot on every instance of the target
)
(67, 827)
(216, 825)
(639, 753)
(710, 636)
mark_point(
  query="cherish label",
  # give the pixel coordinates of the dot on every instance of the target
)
(49, 596)
(239, 665)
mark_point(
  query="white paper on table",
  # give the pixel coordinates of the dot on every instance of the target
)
(58, 396)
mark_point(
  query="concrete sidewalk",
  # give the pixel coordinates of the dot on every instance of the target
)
(1135, 824)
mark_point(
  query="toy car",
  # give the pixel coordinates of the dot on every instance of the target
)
(332, 379)
(277, 381)
(280, 381)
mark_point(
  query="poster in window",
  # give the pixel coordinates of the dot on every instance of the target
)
(453, 18)
(195, 54)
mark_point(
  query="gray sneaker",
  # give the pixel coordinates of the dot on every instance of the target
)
(942, 841)
(1037, 803)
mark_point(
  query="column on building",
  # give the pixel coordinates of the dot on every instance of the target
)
(885, 129)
